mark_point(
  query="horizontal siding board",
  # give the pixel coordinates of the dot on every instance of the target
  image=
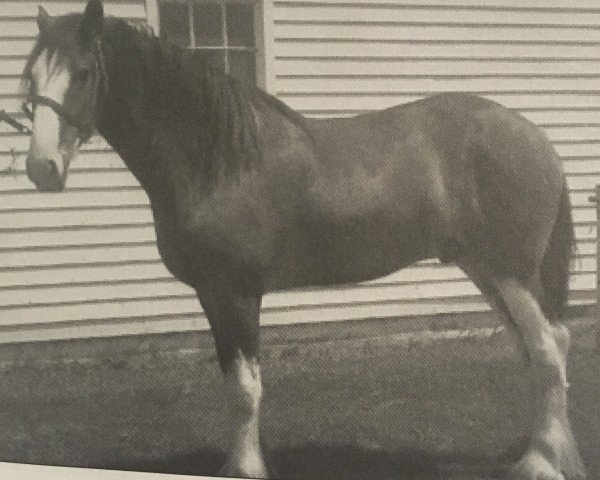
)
(302, 67)
(399, 85)
(82, 179)
(578, 149)
(34, 200)
(442, 34)
(573, 133)
(49, 295)
(584, 182)
(404, 14)
(582, 198)
(20, 143)
(551, 116)
(75, 218)
(572, 109)
(11, 66)
(85, 160)
(334, 106)
(16, 47)
(586, 232)
(70, 275)
(9, 84)
(84, 236)
(67, 256)
(304, 48)
(95, 329)
(152, 270)
(502, 5)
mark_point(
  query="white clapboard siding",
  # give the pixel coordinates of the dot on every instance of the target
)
(538, 58)
(84, 262)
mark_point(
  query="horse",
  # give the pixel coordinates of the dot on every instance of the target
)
(249, 197)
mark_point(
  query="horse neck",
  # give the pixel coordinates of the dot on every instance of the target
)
(145, 111)
(118, 122)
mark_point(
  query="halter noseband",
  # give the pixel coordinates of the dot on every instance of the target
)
(85, 128)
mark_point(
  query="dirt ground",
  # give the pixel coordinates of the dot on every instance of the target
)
(368, 408)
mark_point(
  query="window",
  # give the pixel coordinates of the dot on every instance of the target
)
(221, 30)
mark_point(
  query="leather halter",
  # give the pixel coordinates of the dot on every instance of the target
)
(85, 127)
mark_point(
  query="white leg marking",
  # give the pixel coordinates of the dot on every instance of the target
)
(552, 445)
(244, 389)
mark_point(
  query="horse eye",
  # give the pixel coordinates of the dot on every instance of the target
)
(81, 75)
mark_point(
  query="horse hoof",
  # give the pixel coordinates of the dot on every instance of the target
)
(250, 470)
(533, 466)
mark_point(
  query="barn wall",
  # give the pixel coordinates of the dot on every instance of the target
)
(84, 263)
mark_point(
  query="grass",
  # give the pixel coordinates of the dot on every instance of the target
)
(365, 407)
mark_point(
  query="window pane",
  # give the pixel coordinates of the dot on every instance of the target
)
(174, 22)
(242, 66)
(214, 57)
(240, 24)
(208, 24)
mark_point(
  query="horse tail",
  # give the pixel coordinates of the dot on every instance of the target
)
(556, 263)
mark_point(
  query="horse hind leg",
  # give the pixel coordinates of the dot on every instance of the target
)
(552, 452)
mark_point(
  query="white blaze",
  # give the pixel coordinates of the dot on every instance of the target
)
(51, 80)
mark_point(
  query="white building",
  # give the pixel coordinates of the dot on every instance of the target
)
(84, 264)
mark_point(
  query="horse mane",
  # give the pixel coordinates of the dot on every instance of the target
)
(219, 110)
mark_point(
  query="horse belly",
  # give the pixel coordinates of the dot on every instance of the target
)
(337, 254)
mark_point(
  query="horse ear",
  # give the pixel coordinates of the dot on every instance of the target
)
(44, 19)
(92, 21)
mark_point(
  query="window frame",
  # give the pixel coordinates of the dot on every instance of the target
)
(263, 35)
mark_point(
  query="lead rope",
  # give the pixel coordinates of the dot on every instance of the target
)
(21, 128)
(13, 122)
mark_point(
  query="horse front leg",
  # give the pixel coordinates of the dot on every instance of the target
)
(234, 319)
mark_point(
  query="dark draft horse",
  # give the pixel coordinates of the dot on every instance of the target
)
(250, 197)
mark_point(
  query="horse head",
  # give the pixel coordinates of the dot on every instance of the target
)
(64, 74)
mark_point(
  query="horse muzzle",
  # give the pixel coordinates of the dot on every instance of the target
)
(45, 174)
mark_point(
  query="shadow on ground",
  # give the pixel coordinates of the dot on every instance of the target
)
(345, 462)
